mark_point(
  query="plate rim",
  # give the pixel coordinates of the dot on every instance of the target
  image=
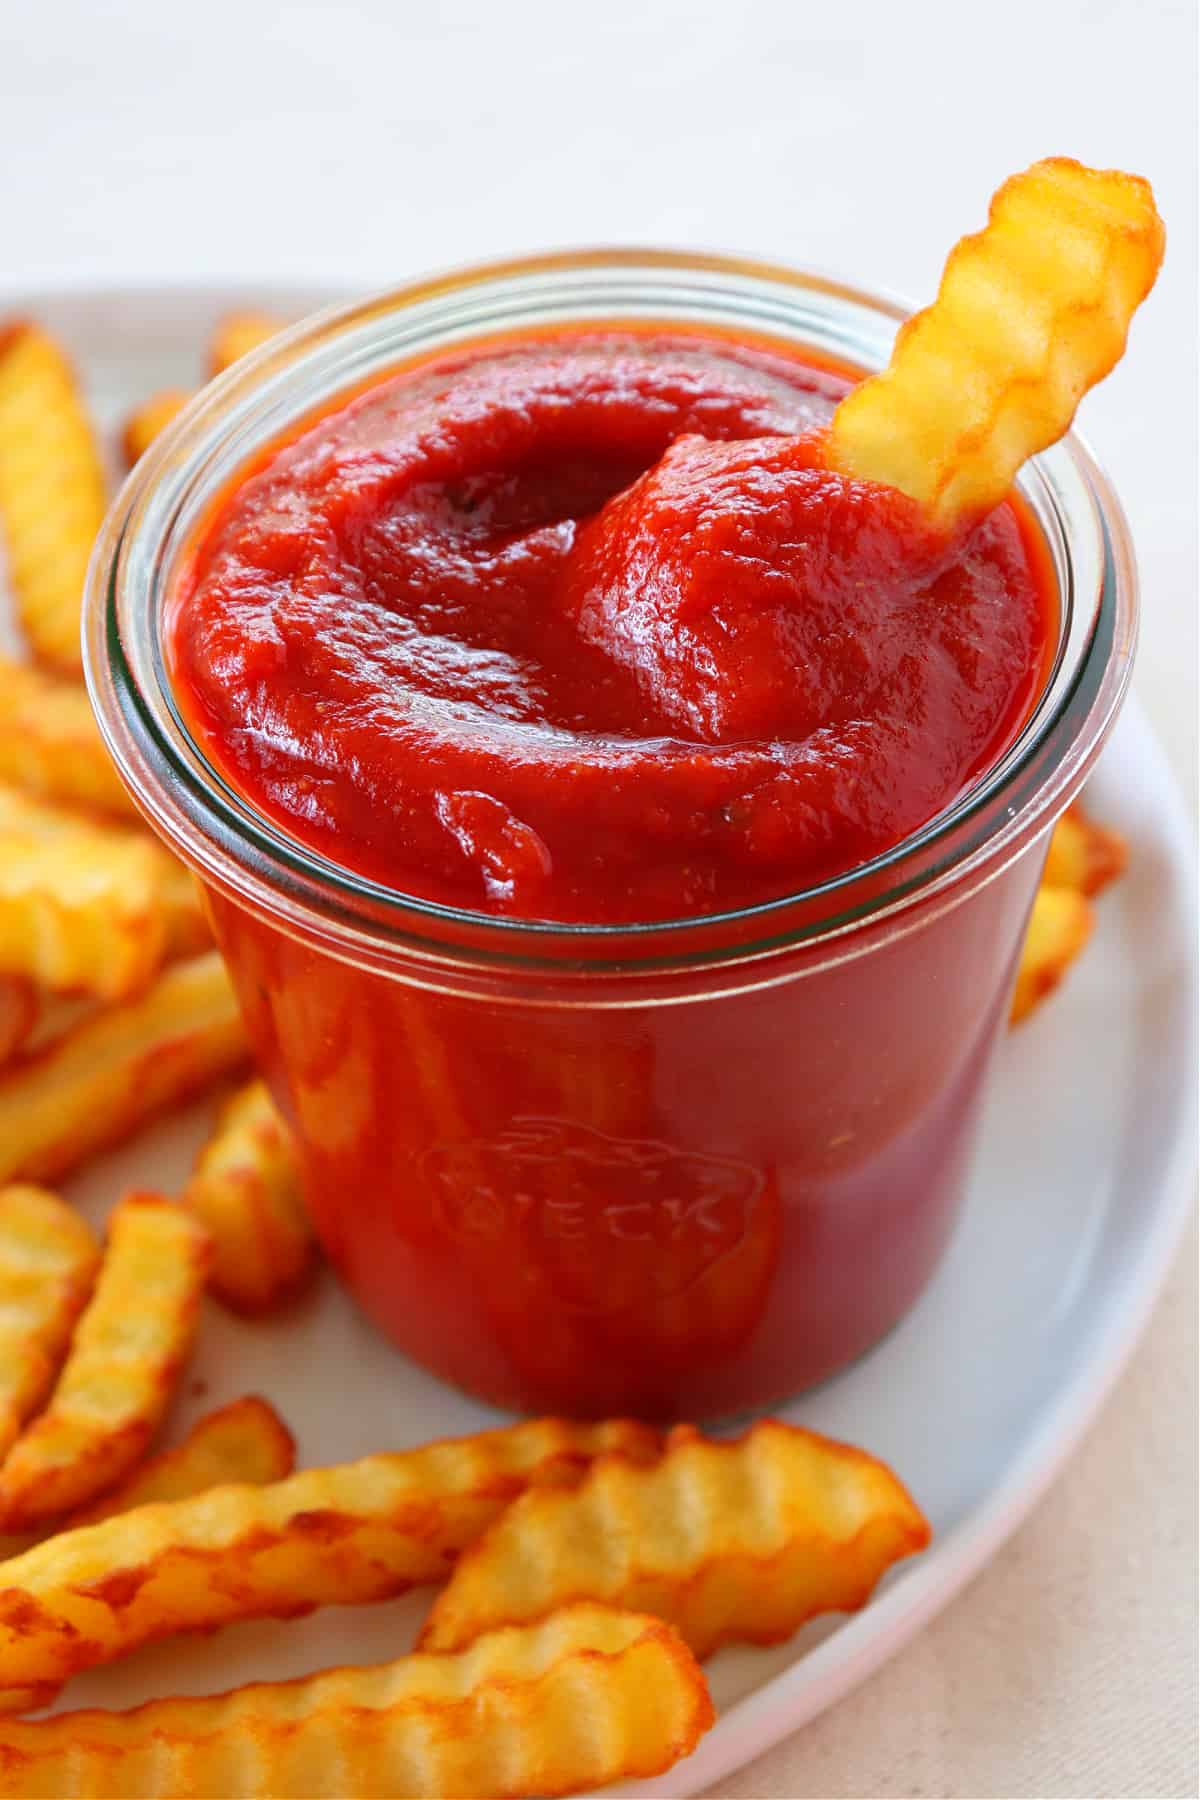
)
(821, 1676)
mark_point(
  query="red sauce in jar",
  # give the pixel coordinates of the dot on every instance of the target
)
(578, 628)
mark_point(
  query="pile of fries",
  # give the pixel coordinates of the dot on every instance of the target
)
(582, 1569)
(114, 1006)
(588, 1567)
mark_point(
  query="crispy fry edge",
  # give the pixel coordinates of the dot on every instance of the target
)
(48, 1263)
(52, 489)
(350, 1534)
(115, 1069)
(589, 1509)
(111, 1396)
(589, 1697)
(250, 1419)
(959, 407)
(246, 1189)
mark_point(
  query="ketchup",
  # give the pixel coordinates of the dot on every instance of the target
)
(578, 628)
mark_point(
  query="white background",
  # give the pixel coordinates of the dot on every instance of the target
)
(366, 141)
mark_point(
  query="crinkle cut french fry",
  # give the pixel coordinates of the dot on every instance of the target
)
(736, 1541)
(246, 1189)
(346, 1535)
(180, 925)
(73, 919)
(149, 419)
(52, 491)
(1059, 927)
(19, 1012)
(50, 744)
(81, 902)
(127, 1354)
(236, 335)
(1083, 855)
(48, 1259)
(245, 1442)
(118, 1068)
(1031, 312)
(590, 1697)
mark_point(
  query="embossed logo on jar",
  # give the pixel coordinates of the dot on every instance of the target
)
(605, 1222)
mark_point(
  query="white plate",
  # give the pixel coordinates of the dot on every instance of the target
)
(1081, 1185)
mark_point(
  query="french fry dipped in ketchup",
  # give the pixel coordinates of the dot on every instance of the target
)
(1031, 313)
(863, 589)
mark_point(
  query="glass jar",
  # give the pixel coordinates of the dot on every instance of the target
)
(675, 1170)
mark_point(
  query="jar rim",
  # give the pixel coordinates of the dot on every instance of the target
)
(259, 864)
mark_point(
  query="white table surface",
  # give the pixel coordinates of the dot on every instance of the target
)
(368, 140)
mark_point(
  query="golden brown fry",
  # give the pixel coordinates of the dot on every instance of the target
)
(84, 905)
(48, 1259)
(128, 1351)
(19, 1011)
(357, 1532)
(51, 490)
(1059, 927)
(734, 1541)
(178, 925)
(236, 335)
(587, 1698)
(1083, 855)
(74, 920)
(50, 744)
(1031, 313)
(152, 416)
(118, 1068)
(246, 1189)
(244, 1442)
